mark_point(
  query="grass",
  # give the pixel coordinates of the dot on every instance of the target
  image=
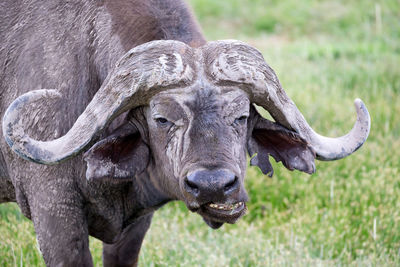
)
(326, 53)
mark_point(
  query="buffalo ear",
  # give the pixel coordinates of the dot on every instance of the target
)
(119, 156)
(269, 138)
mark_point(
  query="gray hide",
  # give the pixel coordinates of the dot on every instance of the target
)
(157, 121)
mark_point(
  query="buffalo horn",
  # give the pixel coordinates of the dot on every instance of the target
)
(233, 63)
(142, 72)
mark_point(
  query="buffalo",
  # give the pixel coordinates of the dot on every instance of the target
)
(112, 108)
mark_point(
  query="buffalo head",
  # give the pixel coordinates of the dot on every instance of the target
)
(190, 123)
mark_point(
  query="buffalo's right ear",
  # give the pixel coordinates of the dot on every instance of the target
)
(120, 156)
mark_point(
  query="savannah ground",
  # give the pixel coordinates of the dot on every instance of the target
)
(326, 53)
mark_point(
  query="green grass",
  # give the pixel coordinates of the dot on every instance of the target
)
(326, 54)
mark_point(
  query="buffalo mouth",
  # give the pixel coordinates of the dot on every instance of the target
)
(216, 214)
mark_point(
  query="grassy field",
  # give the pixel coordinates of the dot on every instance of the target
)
(326, 53)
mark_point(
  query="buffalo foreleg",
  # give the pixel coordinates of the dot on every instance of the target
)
(63, 238)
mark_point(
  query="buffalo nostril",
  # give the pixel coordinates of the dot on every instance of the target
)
(191, 187)
(231, 184)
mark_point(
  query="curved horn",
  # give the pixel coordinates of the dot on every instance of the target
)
(142, 72)
(233, 63)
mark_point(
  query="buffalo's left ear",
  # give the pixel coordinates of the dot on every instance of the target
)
(269, 138)
(119, 156)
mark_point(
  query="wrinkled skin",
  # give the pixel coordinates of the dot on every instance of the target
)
(208, 133)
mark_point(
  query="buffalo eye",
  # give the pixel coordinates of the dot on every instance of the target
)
(162, 121)
(241, 119)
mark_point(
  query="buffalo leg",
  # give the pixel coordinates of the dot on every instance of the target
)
(60, 224)
(125, 251)
(63, 241)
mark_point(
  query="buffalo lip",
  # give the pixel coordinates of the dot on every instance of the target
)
(222, 213)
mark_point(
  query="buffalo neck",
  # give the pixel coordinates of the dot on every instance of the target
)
(147, 196)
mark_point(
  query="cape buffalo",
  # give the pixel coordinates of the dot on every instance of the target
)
(127, 107)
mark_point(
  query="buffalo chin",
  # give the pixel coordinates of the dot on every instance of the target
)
(213, 224)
